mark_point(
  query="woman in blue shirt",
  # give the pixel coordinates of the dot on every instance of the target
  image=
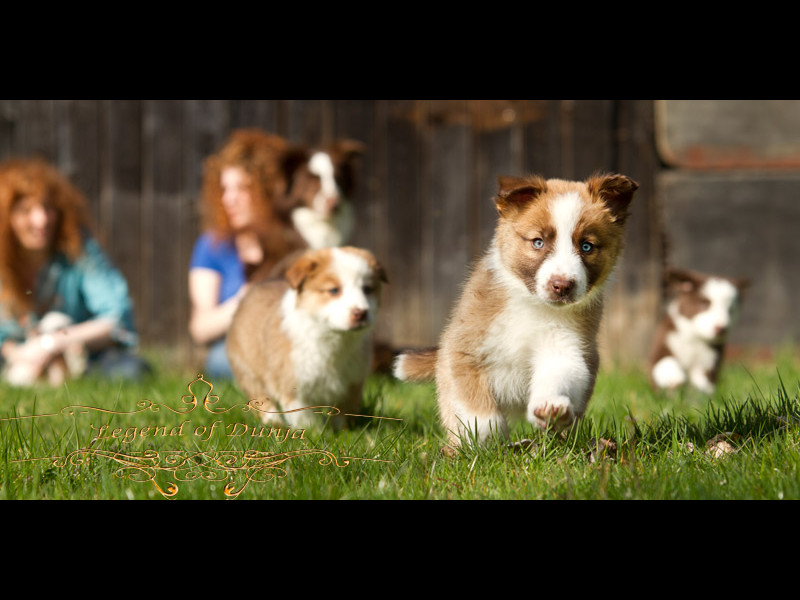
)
(51, 265)
(245, 227)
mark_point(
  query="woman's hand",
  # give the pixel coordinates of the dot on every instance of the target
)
(38, 350)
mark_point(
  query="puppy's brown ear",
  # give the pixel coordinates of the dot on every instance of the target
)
(515, 193)
(300, 270)
(349, 149)
(346, 155)
(374, 263)
(682, 280)
(741, 284)
(292, 159)
(380, 271)
(616, 192)
(286, 197)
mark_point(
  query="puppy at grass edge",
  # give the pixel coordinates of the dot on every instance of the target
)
(522, 338)
(689, 344)
(303, 340)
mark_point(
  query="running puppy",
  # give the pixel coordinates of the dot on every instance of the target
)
(690, 341)
(303, 340)
(522, 337)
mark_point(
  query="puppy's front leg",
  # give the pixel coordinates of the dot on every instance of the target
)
(562, 381)
(300, 414)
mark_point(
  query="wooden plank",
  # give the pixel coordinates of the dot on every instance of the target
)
(8, 128)
(163, 312)
(543, 142)
(497, 151)
(309, 121)
(78, 150)
(448, 202)
(403, 299)
(37, 130)
(713, 134)
(262, 114)
(634, 298)
(592, 131)
(123, 186)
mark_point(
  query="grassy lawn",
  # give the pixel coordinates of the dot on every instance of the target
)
(172, 437)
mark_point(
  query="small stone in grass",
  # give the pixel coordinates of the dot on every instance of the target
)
(720, 445)
(523, 445)
(602, 449)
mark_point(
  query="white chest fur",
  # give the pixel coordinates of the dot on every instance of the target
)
(324, 232)
(326, 362)
(531, 347)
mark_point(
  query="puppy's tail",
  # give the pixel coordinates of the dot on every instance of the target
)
(416, 365)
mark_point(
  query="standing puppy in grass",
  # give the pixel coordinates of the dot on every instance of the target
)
(522, 337)
(689, 344)
(303, 340)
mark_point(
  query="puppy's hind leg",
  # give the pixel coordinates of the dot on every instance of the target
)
(467, 408)
(254, 390)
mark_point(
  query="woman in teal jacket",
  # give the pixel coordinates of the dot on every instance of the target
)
(64, 308)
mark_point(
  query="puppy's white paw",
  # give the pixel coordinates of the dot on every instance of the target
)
(21, 375)
(668, 374)
(555, 412)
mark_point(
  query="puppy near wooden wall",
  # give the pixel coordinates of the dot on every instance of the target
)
(323, 182)
(689, 344)
(522, 336)
(316, 211)
(303, 340)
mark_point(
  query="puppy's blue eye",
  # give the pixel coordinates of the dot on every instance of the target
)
(538, 243)
(334, 291)
(587, 247)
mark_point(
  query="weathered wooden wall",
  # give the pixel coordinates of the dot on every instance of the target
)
(424, 204)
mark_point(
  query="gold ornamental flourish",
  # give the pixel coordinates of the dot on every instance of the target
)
(185, 466)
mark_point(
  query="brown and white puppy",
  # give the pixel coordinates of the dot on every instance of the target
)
(522, 337)
(303, 340)
(316, 211)
(322, 184)
(689, 344)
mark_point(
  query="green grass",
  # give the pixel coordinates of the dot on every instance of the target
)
(654, 446)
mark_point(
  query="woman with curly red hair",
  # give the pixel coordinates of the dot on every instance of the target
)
(246, 227)
(60, 296)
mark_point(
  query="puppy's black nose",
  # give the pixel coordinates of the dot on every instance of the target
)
(562, 287)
